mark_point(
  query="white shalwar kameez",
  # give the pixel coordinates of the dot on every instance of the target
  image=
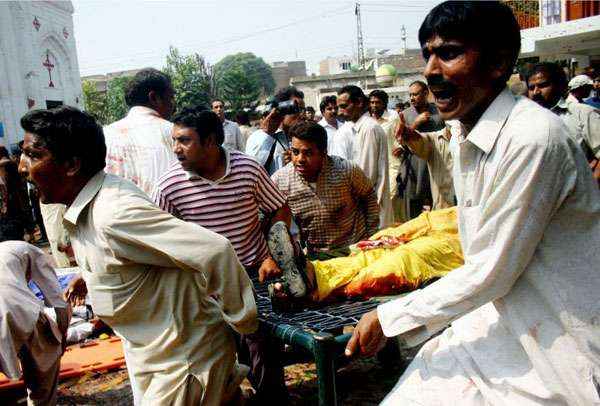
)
(524, 307)
(171, 290)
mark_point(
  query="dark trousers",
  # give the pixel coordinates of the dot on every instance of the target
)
(264, 355)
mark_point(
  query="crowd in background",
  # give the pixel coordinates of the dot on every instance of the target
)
(158, 191)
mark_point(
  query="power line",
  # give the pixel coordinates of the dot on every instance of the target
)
(220, 42)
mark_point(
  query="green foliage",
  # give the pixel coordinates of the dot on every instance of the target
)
(242, 78)
(106, 107)
(239, 89)
(94, 101)
(116, 108)
(192, 77)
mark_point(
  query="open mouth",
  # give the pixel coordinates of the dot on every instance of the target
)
(444, 96)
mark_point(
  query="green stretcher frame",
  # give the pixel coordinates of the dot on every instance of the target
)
(325, 348)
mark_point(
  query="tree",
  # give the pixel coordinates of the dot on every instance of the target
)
(94, 101)
(116, 108)
(251, 65)
(192, 78)
(239, 88)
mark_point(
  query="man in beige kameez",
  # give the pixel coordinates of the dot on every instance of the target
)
(434, 148)
(171, 290)
(32, 331)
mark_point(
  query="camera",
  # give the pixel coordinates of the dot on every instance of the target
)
(286, 107)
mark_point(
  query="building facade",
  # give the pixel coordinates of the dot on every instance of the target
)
(316, 87)
(101, 81)
(38, 61)
(283, 72)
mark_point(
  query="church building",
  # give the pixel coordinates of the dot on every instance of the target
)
(38, 62)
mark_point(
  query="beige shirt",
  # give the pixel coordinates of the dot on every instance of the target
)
(52, 214)
(434, 148)
(27, 322)
(171, 290)
(524, 307)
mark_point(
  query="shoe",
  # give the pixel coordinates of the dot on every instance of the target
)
(294, 278)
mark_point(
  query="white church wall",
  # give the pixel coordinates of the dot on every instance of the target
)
(32, 33)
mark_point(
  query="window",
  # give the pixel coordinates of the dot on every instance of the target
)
(551, 11)
(345, 66)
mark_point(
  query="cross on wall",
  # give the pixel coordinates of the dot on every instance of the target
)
(49, 65)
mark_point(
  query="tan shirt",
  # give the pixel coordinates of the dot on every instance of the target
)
(365, 144)
(434, 148)
(339, 210)
(170, 289)
(27, 322)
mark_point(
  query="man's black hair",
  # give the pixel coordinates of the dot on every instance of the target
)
(381, 95)
(490, 26)
(242, 118)
(203, 121)
(287, 93)
(355, 93)
(420, 83)
(4, 152)
(326, 101)
(311, 132)
(69, 133)
(217, 100)
(310, 108)
(556, 75)
(399, 105)
(145, 81)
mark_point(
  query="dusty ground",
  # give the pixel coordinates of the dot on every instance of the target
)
(375, 381)
(363, 382)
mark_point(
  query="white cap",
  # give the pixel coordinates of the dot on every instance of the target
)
(579, 81)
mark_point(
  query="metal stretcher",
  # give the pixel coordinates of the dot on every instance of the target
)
(319, 331)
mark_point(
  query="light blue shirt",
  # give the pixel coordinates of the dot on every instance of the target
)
(259, 145)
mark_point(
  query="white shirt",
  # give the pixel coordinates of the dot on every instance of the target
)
(389, 121)
(259, 146)
(233, 136)
(365, 144)
(583, 122)
(331, 130)
(524, 307)
(139, 147)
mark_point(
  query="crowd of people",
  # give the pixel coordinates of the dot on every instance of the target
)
(172, 216)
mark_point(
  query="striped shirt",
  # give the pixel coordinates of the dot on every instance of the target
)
(228, 206)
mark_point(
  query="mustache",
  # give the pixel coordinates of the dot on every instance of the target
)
(438, 81)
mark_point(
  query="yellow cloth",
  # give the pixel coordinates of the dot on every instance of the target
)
(433, 251)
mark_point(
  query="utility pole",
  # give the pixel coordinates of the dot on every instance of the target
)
(403, 40)
(359, 40)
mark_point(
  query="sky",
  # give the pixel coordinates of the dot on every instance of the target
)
(128, 34)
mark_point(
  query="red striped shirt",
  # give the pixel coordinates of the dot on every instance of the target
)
(228, 206)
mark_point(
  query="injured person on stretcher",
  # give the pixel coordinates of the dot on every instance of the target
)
(394, 260)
